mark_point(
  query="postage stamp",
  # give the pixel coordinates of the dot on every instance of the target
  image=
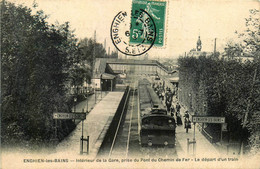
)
(120, 32)
(157, 11)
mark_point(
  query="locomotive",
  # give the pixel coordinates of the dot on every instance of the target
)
(157, 128)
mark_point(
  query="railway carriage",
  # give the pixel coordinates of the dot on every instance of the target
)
(157, 128)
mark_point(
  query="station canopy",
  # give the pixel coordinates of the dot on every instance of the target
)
(107, 76)
(174, 79)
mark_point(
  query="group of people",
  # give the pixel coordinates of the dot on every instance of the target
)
(159, 90)
(167, 94)
(164, 93)
(187, 122)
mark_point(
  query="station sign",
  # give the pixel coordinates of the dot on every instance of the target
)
(207, 119)
(66, 116)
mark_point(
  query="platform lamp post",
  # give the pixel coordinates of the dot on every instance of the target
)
(87, 96)
(205, 112)
(75, 101)
(194, 138)
(95, 93)
(190, 101)
(82, 139)
(101, 85)
(86, 92)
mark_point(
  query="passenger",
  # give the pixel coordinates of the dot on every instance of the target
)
(156, 91)
(168, 105)
(172, 110)
(169, 95)
(186, 115)
(174, 121)
(178, 107)
(178, 116)
(187, 124)
(173, 92)
(163, 94)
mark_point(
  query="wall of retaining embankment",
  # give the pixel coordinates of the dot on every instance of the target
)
(112, 128)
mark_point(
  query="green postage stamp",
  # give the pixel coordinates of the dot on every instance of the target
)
(156, 12)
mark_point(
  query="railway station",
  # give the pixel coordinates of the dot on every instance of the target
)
(114, 123)
(129, 84)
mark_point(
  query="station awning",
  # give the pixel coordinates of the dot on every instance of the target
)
(174, 79)
(107, 76)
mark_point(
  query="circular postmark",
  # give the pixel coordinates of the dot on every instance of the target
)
(133, 35)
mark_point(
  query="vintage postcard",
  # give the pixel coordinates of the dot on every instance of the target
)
(130, 84)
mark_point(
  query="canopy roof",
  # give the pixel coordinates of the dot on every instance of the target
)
(107, 76)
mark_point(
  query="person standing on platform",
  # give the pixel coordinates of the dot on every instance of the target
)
(172, 110)
(163, 94)
(178, 108)
(186, 115)
(187, 122)
(178, 117)
(168, 100)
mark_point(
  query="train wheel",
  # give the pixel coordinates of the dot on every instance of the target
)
(150, 143)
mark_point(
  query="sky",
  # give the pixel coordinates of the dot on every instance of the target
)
(185, 21)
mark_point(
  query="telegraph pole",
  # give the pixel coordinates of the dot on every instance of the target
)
(105, 45)
(87, 96)
(101, 85)
(94, 51)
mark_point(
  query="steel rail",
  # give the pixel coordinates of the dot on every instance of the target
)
(118, 125)
(130, 125)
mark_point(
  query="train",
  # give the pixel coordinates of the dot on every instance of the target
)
(156, 127)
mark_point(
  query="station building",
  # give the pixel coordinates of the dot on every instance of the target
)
(107, 71)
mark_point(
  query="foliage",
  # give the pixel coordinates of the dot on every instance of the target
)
(219, 88)
(249, 40)
(90, 50)
(251, 36)
(113, 55)
(227, 87)
(36, 59)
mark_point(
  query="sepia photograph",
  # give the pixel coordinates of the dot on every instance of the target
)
(141, 84)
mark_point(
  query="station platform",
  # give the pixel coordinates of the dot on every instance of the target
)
(203, 147)
(95, 125)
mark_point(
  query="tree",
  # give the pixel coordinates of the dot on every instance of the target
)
(249, 40)
(113, 55)
(251, 36)
(249, 45)
(36, 58)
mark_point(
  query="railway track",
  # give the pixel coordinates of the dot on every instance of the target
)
(126, 143)
(120, 144)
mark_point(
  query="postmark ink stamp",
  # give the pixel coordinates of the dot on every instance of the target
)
(133, 37)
